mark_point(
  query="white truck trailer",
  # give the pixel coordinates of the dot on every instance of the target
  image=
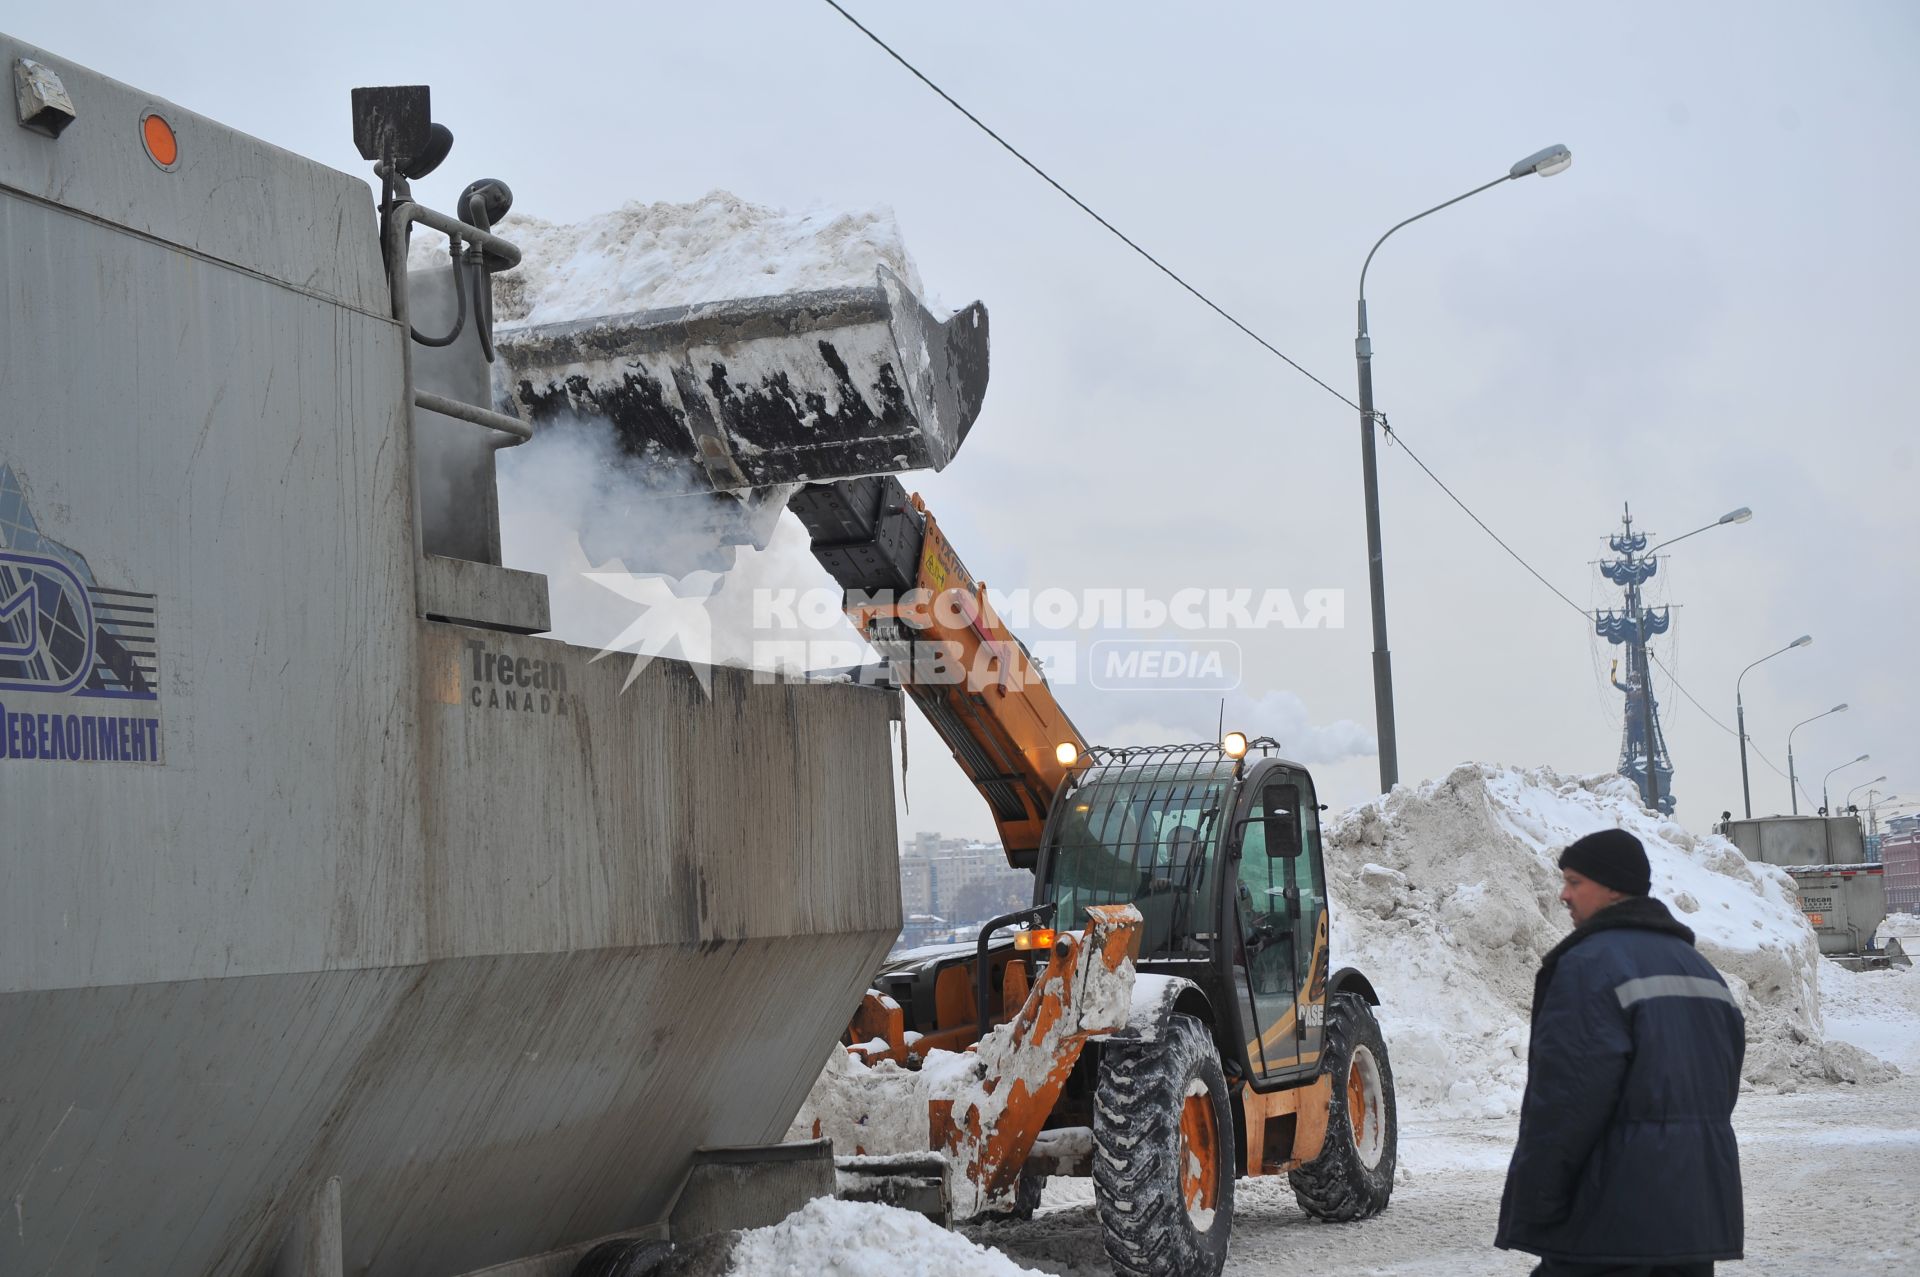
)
(346, 923)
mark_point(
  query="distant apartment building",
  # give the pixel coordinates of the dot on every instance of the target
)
(960, 881)
(1900, 853)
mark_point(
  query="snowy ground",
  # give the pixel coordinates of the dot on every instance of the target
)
(1445, 891)
(1827, 1171)
(1829, 1144)
(1829, 1189)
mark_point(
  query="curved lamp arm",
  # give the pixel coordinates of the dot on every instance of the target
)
(1802, 641)
(1545, 162)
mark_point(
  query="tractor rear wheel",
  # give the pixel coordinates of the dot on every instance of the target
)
(1163, 1155)
(1353, 1176)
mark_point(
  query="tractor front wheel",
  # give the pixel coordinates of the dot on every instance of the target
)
(1163, 1155)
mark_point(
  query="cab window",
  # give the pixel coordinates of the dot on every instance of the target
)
(1143, 843)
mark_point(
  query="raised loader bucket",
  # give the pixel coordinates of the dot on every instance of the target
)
(766, 391)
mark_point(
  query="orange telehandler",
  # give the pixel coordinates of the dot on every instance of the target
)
(1162, 1017)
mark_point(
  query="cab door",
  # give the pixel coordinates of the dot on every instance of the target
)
(1265, 957)
(1306, 876)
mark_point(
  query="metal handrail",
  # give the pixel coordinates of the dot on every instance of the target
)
(399, 222)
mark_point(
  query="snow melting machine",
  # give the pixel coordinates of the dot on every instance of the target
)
(347, 924)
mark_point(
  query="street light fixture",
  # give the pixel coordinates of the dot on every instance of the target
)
(1848, 800)
(1793, 785)
(1740, 708)
(1544, 163)
(1825, 805)
(1742, 515)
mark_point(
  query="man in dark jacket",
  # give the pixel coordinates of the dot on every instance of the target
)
(1626, 1162)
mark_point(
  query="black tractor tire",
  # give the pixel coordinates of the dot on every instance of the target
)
(1026, 1198)
(1162, 1149)
(1353, 1176)
(623, 1258)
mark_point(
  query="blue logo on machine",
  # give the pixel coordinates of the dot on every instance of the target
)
(46, 625)
(70, 646)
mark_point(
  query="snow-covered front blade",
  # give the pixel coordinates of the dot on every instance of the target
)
(979, 1111)
(766, 391)
(910, 1181)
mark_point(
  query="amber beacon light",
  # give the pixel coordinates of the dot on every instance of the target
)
(163, 148)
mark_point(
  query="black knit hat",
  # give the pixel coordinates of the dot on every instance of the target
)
(1613, 858)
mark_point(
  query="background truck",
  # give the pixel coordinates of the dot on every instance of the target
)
(1843, 894)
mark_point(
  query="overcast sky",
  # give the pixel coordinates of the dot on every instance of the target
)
(1710, 309)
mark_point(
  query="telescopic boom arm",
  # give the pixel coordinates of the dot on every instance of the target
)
(909, 595)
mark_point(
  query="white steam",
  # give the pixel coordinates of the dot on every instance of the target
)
(614, 541)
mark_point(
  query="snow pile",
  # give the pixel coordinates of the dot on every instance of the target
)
(879, 1111)
(1878, 1011)
(883, 1109)
(649, 256)
(829, 1238)
(1904, 927)
(1447, 896)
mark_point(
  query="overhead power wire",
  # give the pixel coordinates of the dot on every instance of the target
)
(1218, 309)
(1082, 205)
(1513, 553)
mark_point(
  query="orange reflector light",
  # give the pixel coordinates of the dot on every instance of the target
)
(161, 143)
(1038, 938)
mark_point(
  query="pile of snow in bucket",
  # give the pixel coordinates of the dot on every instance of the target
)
(645, 257)
(1446, 895)
(859, 1239)
(649, 256)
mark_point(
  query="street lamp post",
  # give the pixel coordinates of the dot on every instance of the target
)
(1875, 804)
(1646, 664)
(1848, 800)
(1546, 163)
(1826, 806)
(1740, 713)
(1873, 810)
(1793, 784)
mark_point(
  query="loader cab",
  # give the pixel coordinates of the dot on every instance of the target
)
(1222, 858)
